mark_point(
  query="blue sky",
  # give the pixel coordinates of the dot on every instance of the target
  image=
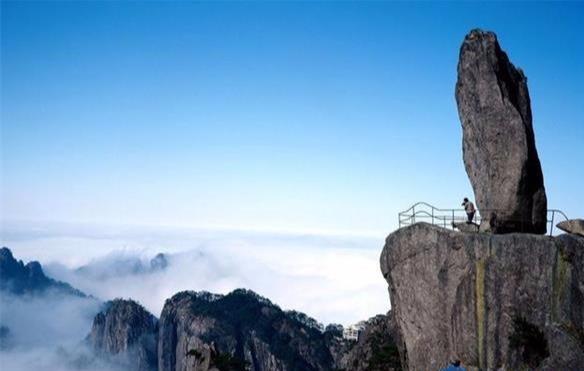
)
(279, 116)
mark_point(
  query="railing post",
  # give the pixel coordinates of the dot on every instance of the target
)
(432, 215)
(552, 225)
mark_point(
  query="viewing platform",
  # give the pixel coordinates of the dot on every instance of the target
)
(449, 218)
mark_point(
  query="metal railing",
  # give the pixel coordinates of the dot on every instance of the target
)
(446, 218)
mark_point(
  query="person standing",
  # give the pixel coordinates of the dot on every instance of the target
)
(470, 210)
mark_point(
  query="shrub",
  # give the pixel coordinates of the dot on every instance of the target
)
(529, 341)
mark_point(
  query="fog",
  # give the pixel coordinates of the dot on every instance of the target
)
(329, 277)
(335, 279)
(47, 332)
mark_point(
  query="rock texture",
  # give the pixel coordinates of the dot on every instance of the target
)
(126, 334)
(513, 301)
(18, 278)
(575, 226)
(376, 349)
(498, 139)
(466, 227)
(202, 331)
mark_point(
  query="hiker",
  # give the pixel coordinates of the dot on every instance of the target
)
(454, 366)
(470, 210)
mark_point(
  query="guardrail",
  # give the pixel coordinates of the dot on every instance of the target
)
(424, 212)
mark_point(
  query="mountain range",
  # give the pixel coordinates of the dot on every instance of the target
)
(203, 331)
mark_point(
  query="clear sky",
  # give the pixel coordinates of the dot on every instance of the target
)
(287, 116)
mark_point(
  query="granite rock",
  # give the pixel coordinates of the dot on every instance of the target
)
(512, 301)
(499, 149)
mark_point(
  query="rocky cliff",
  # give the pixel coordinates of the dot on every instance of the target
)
(376, 348)
(125, 334)
(18, 278)
(202, 331)
(512, 301)
(498, 139)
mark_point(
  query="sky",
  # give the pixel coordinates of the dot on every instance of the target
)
(281, 116)
(301, 118)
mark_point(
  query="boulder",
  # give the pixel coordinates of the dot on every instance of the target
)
(512, 301)
(575, 226)
(499, 150)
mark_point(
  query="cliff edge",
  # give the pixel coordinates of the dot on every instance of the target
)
(494, 301)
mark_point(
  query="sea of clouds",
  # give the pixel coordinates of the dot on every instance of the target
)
(335, 279)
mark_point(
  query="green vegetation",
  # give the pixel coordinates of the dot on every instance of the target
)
(222, 361)
(195, 353)
(384, 356)
(227, 362)
(529, 341)
(575, 331)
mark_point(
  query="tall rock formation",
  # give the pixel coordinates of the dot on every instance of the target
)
(512, 301)
(126, 334)
(498, 140)
(202, 331)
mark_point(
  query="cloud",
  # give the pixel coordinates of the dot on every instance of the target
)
(331, 278)
(46, 332)
(48, 319)
(78, 358)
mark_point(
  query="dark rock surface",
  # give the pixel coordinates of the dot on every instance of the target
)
(126, 334)
(19, 279)
(513, 301)
(376, 349)
(574, 226)
(498, 139)
(158, 263)
(200, 330)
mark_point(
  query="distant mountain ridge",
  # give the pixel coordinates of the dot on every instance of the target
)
(18, 278)
(203, 331)
(123, 266)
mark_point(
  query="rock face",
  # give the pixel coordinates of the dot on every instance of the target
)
(466, 227)
(376, 349)
(498, 140)
(126, 334)
(18, 278)
(575, 226)
(202, 331)
(512, 301)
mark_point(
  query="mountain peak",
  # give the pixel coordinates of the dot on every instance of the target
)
(19, 279)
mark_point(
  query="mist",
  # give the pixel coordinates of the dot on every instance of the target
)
(315, 274)
(47, 332)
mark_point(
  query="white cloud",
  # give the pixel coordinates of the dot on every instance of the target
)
(46, 333)
(332, 278)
